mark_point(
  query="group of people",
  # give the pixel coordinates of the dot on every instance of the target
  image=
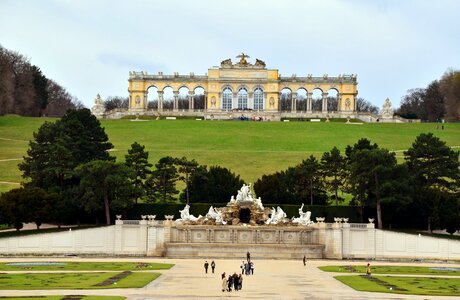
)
(206, 266)
(247, 267)
(234, 281)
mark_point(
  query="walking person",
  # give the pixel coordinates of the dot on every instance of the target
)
(224, 282)
(248, 256)
(206, 265)
(304, 260)
(368, 270)
(243, 267)
(229, 283)
(252, 268)
(235, 281)
(213, 266)
(240, 282)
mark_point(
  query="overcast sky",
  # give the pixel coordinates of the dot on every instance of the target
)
(89, 46)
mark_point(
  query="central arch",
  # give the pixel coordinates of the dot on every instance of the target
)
(245, 215)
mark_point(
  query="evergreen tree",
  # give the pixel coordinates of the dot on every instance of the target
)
(436, 170)
(161, 183)
(333, 170)
(138, 160)
(374, 175)
(308, 178)
(105, 185)
(214, 186)
(186, 169)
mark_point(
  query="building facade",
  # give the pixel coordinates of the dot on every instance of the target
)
(244, 86)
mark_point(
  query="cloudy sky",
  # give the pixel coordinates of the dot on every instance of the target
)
(89, 46)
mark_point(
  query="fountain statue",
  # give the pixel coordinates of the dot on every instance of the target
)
(304, 217)
(216, 215)
(186, 216)
(277, 215)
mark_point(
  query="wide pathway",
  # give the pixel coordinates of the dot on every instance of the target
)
(272, 279)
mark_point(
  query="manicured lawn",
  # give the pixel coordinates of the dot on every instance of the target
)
(404, 285)
(82, 266)
(48, 281)
(250, 149)
(63, 297)
(406, 270)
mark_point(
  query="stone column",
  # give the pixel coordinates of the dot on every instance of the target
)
(205, 94)
(356, 104)
(160, 100)
(176, 100)
(293, 102)
(324, 108)
(251, 100)
(191, 104)
(309, 102)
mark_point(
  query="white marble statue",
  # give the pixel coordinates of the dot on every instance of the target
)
(277, 215)
(304, 217)
(186, 216)
(98, 109)
(259, 203)
(387, 110)
(216, 215)
(245, 195)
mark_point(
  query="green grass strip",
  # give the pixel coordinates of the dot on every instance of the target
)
(82, 266)
(403, 285)
(403, 270)
(49, 281)
(64, 298)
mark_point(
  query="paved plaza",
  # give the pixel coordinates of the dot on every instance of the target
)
(272, 279)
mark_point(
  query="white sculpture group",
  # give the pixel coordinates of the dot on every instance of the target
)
(216, 215)
(186, 216)
(304, 217)
(277, 216)
(245, 195)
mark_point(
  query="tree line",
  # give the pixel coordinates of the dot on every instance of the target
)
(439, 100)
(71, 176)
(25, 90)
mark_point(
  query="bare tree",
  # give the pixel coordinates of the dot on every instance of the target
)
(362, 105)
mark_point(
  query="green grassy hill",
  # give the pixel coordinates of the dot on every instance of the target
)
(250, 149)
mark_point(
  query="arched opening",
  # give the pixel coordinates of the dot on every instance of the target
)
(332, 100)
(168, 98)
(227, 97)
(245, 215)
(198, 98)
(183, 101)
(301, 100)
(317, 100)
(285, 99)
(243, 99)
(258, 99)
(152, 98)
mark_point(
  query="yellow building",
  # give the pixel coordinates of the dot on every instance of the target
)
(245, 87)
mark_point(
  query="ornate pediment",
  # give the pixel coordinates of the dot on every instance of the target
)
(242, 63)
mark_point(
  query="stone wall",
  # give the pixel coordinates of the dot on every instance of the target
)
(165, 238)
